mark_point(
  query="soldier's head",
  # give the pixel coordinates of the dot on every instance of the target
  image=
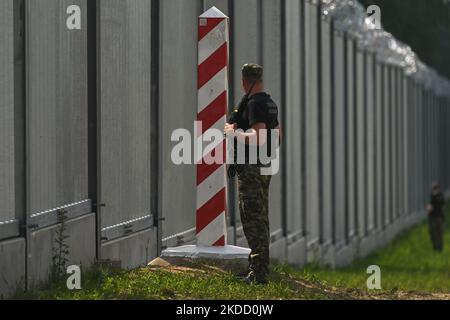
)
(252, 76)
(435, 187)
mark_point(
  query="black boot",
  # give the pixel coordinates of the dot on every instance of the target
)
(255, 279)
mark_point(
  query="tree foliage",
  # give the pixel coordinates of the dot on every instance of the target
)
(422, 24)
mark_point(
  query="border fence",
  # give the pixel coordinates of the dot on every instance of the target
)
(86, 118)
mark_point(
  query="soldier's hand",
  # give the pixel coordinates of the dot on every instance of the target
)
(229, 129)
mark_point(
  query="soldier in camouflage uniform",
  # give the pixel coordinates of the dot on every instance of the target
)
(256, 111)
(254, 209)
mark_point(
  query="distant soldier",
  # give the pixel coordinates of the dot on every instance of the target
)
(256, 112)
(436, 217)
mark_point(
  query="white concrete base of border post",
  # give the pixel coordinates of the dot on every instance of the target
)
(228, 257)
(198, 252)
(215, 253)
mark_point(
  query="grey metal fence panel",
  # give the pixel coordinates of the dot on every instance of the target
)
(432, 139)
(12, 248)
(438, 172)
(427, 138)
(435, 128)
(57, 106)
(57, 133)
(246, 45)
(12, 266)
(441, 133)
(127, 222)
(272, 61)
(179, 73)
(7, 138)
(440, 136)
(294, 132)
(394, 140)
(407, 147)
(446, 108)
(340, 145)
(431, 125)
(292, 128)
(442, 142)
(415, 135)
(327, 153)
(423, 145)
(421, 149)
(402, 149)
(432, 128)
(387, 136)
(351, 138)
(420, 154)
(446, 140)
(361, 145)
(370, 148)
(246, 48)
(411, 145)
(435, 140)
(379, 146)
(312, 132)
(125, 110)
(443, 152)
(428, 141)
(437, 137)
(417, 154)
(401, 139)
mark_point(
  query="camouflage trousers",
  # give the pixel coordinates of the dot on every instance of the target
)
(254, 209)
(436, 225)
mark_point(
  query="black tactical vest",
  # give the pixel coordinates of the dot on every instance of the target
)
(269, 115)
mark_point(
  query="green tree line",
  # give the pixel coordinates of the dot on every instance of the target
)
(422, 24)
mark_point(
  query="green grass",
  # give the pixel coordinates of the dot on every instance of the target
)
(407, 264)
(409, 269)
(161, 284)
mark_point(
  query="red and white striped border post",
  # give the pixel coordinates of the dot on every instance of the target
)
(213, 50)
